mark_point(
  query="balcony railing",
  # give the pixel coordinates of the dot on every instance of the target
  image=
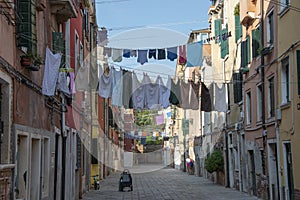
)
(5, 180)
(63, 9)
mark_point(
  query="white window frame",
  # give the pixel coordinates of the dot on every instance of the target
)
(259, 91)
(285, 78)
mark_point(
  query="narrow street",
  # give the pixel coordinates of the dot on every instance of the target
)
(167, 184)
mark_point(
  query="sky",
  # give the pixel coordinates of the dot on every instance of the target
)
(183, 16)
(142, 24)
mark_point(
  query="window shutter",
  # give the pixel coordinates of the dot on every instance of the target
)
(298, 67)
(238, 28)
(26, 26)
(248, 50)
(243, 53)
(224, 43)
(217, 29)
(237, 87)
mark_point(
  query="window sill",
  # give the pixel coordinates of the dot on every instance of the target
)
(258, 123)
(285, 105)
(284, 11)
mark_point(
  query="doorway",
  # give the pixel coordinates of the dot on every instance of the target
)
(252, 172)
(288, 168)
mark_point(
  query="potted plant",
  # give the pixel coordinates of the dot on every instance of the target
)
(26, 59)
(31, 61)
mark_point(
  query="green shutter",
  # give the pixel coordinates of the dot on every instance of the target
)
(217, 28)
(238, 87)
(26, 25)
(243, 53)
(224, 43)
(238, 28)
(248, 50)
(298, 67)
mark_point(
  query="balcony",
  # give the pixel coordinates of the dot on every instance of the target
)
(63, 9)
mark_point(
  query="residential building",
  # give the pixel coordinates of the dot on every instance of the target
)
(258, 52)
(287, 93)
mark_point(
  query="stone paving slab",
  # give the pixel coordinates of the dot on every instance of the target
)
(164, 184)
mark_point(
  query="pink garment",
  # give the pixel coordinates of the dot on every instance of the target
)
(160, 119)
(182, 54)
(72, 83)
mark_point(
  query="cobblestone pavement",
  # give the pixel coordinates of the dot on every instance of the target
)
(164, 184)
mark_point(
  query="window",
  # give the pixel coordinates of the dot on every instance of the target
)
(259, 102)
(255, 42)
(271, 97)
(217, 30)
(224, 42)
(245, 52)
(285, 93)
(237, 87)
(284, 4)
(270, 28)
(238, 28)
(248, 108)
(26, 25)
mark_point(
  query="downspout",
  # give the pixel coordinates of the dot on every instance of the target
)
(64, 139)
(292, 92)
(278, 159)
(262, 68)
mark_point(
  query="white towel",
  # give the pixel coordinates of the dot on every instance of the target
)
(51, 71)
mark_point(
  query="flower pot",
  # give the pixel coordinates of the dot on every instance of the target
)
(25, 61)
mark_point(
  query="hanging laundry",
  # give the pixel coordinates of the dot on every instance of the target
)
(72, 83)
(142, 56)
(127, 89)
(152, 53)
(126, 53)
(160, 120)
(220, 98)
(175, 96)
(151, 93)
(161, 54)
(107, 51)
(62, 83)
(185, 94)
(52, 63)
(172, 53)
(117, 55)
(164, 92)
(133, 53)
(105, 84)
(82, 77)
(205, 99)
(182, 55)
(169, 114)
(138, 93)
(117, 87)
(194, 54)
(194, 95)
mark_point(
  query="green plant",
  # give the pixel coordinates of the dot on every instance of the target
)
(237, 9)
(35, 58)
(215, 162)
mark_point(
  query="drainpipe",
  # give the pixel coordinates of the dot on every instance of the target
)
(64, 139)
(262, 68)
(278, 160)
